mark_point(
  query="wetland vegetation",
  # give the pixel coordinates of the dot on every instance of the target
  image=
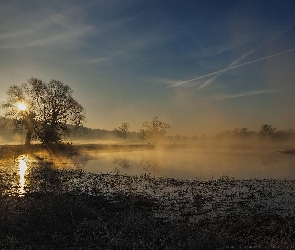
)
(49, 203)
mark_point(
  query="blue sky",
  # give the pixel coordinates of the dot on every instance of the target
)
(202, 66)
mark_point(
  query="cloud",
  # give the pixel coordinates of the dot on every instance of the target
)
(162, 80)
(211, 51)
(233, 67)
(209, 81)
(120, 43)
(43, 28)
(249, 93)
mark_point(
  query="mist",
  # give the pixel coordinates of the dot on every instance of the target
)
(226, 154)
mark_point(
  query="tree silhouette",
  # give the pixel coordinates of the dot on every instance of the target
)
(155, 129)
(121, 132)
(267, 130)
(48, 109)
(142, 134)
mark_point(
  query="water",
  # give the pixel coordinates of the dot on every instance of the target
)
(13, 174)
(199, 164)
(187, 164)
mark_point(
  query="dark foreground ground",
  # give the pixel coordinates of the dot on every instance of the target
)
(71, 209)
(72, 221)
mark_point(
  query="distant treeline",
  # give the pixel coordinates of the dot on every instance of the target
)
(265, 131)
(85, 133)
(89, 134)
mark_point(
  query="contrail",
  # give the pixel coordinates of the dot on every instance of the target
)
(233, 67)
(209, 81)
(249, 93)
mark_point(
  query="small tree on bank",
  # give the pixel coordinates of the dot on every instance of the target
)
(267, 130)
(121, 131)
(155, 129)
(45, 109)
(142, 134)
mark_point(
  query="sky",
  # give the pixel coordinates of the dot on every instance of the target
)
(201, 66)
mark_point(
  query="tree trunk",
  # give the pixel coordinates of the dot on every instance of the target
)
(29, 137)
(30, 127)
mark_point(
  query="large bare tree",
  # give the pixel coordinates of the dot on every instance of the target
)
(44, 109)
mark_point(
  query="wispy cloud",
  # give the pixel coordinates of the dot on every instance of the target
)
(211, 51)
(43, 29)
(126, 46)
(212, 79)
(249, 93)
(209, 81)
(233, 67)
(163, 80)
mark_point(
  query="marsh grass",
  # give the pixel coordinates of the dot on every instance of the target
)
(72, 209)
(288, 151)
(72, 221)
(53, 218)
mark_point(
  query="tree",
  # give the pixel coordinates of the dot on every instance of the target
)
(142, 134)
(45, 109)
(155, 129)
(267, 130)
(121, 132)
(243, 132)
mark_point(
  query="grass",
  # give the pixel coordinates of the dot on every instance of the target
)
(72, 209)
(288, 151)
(72, 221)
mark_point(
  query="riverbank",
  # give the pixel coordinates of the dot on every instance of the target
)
(73, 209)
(7, 151)
(47, 207)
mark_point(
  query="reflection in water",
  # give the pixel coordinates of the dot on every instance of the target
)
(123, 162)
(196, 163)
(22, 173)
(149, 166)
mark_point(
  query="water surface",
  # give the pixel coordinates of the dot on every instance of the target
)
(201, 164)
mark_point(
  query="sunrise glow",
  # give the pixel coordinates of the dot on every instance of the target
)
(21, 106)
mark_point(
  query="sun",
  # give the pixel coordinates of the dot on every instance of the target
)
(21, 106)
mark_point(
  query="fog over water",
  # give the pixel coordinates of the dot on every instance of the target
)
(207, 160)
(201, 158)
(190, 164)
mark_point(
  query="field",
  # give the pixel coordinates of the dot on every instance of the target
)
(60, 208)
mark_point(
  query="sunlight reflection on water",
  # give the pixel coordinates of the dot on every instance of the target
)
(22, 160)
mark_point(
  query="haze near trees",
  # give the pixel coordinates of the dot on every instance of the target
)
(155, 129)
(121, 131)
(44, 109)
